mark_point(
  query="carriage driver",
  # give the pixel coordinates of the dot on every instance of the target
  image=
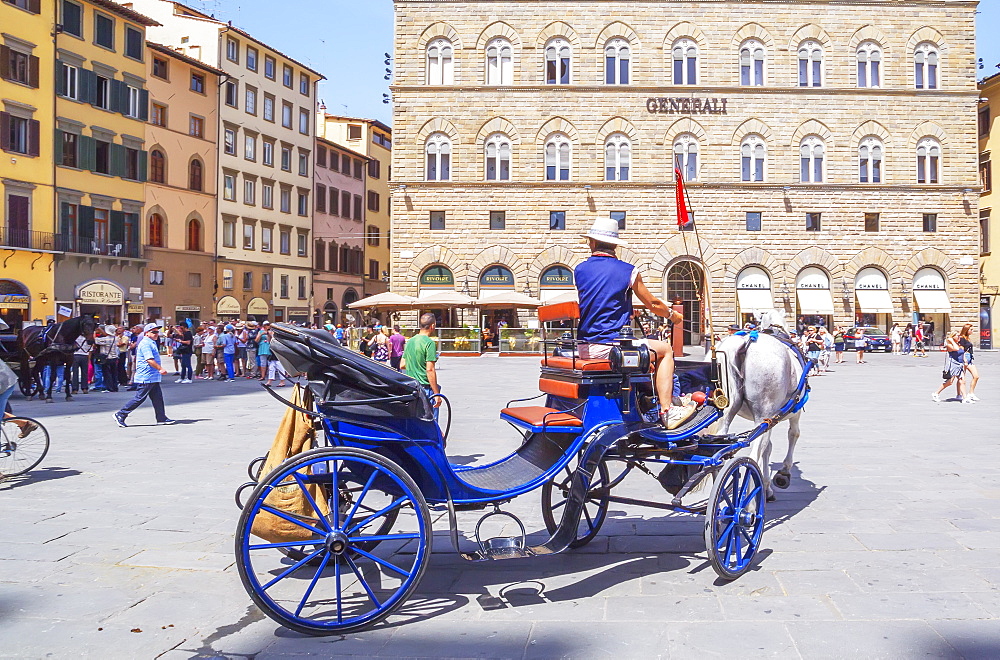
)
(605, 284)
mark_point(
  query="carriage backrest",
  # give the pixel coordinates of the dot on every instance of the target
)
(338, 375)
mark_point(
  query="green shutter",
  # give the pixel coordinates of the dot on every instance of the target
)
(87, 151)
(115, 95)
(59, 148)
(60, 79)
(64, 218)
(88, 86)
(85, 221)
(117, 234)
(144, 104)
(117, 160)
(143, 165)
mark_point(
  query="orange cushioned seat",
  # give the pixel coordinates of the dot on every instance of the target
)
(536, 416)
(578, 364)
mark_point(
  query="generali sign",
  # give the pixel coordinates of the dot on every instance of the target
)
(687, 105)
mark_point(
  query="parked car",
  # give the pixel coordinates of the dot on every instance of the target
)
(877, 340)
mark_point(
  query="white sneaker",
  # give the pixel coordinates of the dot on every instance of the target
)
(179, 380)
(973, 397)
(935, 397)
(185, 381)
(968, 400)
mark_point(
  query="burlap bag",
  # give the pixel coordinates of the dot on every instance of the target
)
(295, 435)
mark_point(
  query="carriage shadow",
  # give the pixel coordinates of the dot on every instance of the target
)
(38, 475)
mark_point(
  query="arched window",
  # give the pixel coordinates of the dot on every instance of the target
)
(156, 230)
(925, 66)
(753, 152)
(557, 158)
(438, 151)
(617, 157)
(685, 57)
(870, 160)
(440, 63)
(810, 64)
(686, 156)
(811, 154)
(498, 157)
(928, 161)
(195, 175)
(752, 63)
(194, 235)
(157, 166)
(558, 57)
(499, 62)
(869, 64)
(617, 60)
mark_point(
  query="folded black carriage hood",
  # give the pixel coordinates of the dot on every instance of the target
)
(337, 374)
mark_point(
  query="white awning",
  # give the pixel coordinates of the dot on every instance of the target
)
(754, 299)
(932, 301)
(815, 301)
(874, 301)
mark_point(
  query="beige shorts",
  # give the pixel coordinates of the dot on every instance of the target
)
(600, 351)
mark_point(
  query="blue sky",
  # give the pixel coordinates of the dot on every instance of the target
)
(346, 41)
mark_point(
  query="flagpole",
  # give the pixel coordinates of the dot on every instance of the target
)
(678, 173)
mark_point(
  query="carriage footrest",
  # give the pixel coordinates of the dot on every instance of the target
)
(500, 548)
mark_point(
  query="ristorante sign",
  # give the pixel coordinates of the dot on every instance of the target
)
(687, 106)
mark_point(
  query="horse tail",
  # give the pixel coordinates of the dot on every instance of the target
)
(740, 357)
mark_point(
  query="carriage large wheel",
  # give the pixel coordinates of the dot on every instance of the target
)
(734, 521)
(19, 455)
(555, 494)
(364, 571)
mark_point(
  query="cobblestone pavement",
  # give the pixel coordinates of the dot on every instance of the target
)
(887, 544)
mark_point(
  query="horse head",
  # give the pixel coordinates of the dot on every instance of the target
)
(88, 325)
(770, 318)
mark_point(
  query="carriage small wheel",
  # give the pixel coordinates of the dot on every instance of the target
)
(555, 494)
(734, 521)
(362, 526)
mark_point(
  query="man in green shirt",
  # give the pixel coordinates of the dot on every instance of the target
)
(419, 357)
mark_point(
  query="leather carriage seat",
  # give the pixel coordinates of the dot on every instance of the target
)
(541, 416)
(579, 364)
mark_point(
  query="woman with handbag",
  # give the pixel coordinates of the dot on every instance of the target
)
(860, 344)
(954, 368)
(966, 343)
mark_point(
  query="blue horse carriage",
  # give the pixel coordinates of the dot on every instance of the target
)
(336, 538)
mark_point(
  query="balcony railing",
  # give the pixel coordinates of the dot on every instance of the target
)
(29, 240)
(99, 246)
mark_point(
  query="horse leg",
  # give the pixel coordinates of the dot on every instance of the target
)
(765, 463)
(783, 477)
(67, 368)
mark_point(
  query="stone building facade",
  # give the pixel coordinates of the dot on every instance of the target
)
(989, 266)
(829, 151)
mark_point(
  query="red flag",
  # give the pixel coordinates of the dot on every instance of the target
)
(683, 217)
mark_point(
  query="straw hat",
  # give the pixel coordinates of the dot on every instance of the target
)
(605, 230)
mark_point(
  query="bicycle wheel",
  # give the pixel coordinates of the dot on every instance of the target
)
(21, 454)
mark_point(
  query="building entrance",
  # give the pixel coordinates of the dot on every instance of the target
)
(685, 282)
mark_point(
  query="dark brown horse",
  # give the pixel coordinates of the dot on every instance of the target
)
(51, 346)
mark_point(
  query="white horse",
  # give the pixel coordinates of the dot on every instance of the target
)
(764, 375)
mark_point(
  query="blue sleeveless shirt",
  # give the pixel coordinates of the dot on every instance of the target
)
(604, 285)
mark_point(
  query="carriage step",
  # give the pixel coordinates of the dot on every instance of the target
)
(501, 547)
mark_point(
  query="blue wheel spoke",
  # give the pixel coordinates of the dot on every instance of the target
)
(736, 554)
(336, 572)
(751, 497)
(559, 504)
(312, 502)
(743, 489)
(282, 514)
(724, 536)
(312, 584)
(382, 562)
(383, 537)
(750, 543)
(364, 583)
(286, 544)
(335, 504)
(296, 566)
(377, 514)
(354, 509)
(729, 547)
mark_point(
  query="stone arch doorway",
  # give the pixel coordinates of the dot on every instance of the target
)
(685, 282)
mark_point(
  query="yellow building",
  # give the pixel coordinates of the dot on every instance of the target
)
(989, 267)
(100, 156)
(27, 235)
(373, 139)
(181, 205)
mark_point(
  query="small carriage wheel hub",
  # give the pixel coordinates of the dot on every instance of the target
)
(746, 518)
(336, 542)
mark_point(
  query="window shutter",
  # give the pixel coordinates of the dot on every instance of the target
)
(117, 160)
(60, 79)
(64, 220)
(87, 153)
(33, 71)
(58, 148)
(85, 220)
(87, 86)
(5, 62)
(144, 104)
(115, 95)
(35, 6)
(117, 234)
(34, 137)
(5, 131)
(143, 166)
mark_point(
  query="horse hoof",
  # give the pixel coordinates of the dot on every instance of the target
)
(771, 497)
(49, 401)
(69, 398)
(781, 480)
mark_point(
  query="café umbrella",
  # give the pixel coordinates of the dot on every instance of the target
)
(570, 296)
(386, 300)
(508, 299)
